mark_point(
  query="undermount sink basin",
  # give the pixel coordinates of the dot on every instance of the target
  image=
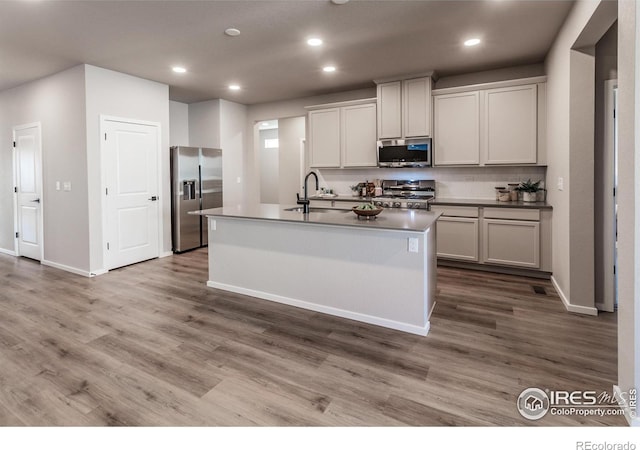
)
(317, 210)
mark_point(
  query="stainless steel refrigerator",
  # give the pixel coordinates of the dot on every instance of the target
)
(196, 183)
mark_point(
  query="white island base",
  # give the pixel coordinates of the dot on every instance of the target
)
(365, 274)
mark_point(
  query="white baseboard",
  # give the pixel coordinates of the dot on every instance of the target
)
(99, 272)
(7, 252)
(55, 265)
(406, 327)
(165, 254)
(632, 421)
(588, 310)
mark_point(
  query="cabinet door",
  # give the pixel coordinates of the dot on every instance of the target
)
(324, 138)
(390, 110)
(457, 129)
(359, 136)
(457, 238)
(511, 125)
(511, 243)
(416, 101)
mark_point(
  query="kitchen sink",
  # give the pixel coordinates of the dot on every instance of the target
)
(318, 210)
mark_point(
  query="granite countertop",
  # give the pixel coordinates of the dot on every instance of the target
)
(449, 202)
(389, 219)
(489, 203)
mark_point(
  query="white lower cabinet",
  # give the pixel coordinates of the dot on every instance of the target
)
(511, 243)
(492, 236)
(457, 238)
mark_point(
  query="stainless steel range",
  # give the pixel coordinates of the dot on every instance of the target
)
(412, 194)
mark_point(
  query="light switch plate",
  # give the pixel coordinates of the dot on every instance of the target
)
(66, 186)
(560, 184)
(57, 185)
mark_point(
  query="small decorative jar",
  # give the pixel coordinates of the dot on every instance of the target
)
(498, 189)
(504, 196)
(513, 191)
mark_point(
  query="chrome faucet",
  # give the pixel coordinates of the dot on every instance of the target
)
(305, 201)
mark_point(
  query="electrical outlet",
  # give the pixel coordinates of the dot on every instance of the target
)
(213, 224)
(57, 185)
(66, 186)
(413, 245)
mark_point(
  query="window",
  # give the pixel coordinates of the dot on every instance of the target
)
(271, 143)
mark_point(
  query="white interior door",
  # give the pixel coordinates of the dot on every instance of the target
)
(28, 181)
(131, 174)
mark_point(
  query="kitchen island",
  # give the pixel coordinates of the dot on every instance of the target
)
(380, 271)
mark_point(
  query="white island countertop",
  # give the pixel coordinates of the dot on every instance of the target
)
(389, 219)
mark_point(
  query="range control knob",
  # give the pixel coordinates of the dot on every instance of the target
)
(397, 204)
(378, 203)
(385, 205)
(409, 205)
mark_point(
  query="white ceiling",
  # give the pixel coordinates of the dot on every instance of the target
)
(364, 39)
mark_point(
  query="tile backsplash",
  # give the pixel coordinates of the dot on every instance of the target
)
(451, 182)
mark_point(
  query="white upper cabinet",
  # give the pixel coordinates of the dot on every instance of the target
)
(457, 129)
(489, 125)
(324, 138)
(416, 100)
(343, 136)
(404, 108)
(359, 136)
(511, 125)
(390, 110)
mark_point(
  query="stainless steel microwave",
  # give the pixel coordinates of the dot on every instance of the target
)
(415, 154)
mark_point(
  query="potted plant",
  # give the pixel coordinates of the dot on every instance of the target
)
(529, 190)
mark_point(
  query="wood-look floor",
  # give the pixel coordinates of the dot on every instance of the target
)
(150, 344)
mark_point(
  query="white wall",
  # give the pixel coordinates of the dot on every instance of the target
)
(204, 124)
(291, 131)
(57, 102)
(629, 197)
(559, 156)
(233, 137)
(178, 124)
(116, 94)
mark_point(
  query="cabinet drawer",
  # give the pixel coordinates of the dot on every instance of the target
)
(457, 238)
(456, 211)
(512, 213)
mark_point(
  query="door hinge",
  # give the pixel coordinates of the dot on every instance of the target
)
(14, 144)
(15, 189)
(614, 270)
(17, 234)
(107, 246)
(105, 136)
(614, 113)
(106, 191)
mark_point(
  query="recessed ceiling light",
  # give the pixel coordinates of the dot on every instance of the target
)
(472, 42)
(329, 69)
(265, 124)
(314, 42)
(232, 32)
(178, 69)
(234, 87)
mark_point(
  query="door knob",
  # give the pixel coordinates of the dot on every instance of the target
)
(153, 198)
(35, 201)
